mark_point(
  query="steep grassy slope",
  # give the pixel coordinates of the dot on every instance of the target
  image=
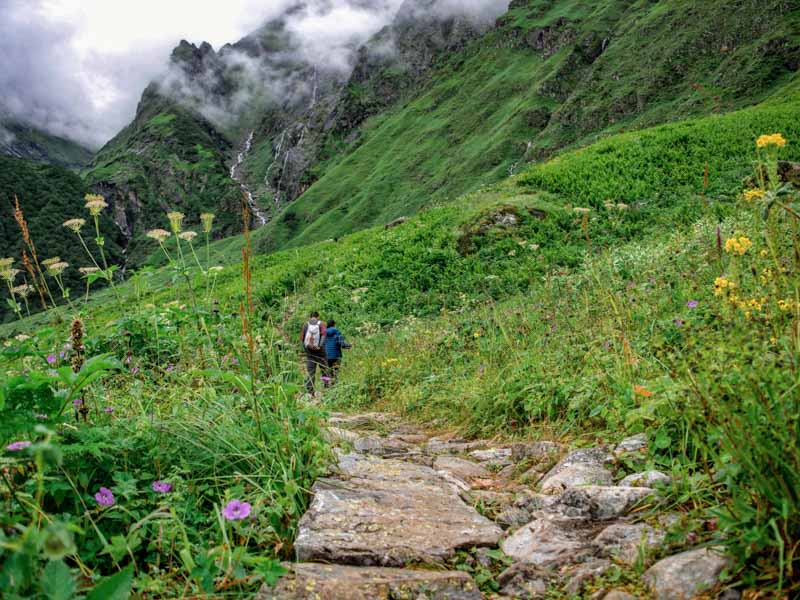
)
(551, 75)
(23, 141)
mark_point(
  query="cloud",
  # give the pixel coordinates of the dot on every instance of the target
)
(77, 69)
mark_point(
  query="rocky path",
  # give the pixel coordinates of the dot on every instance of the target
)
(403, 507)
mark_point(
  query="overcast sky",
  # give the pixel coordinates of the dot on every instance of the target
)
(78, 67)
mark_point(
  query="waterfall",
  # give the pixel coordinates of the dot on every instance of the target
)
(255, 209)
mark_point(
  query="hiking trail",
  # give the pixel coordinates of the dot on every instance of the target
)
(389, 520)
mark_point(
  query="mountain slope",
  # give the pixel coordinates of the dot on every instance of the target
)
(23, 141)
(550, 75)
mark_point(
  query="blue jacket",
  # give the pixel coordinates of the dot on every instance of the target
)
(334, 343)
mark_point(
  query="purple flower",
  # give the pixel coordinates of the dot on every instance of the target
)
(16, 446)
(607, 345)
(170, 368)
(51, 359)
(235, 360)
(678, 322)
(105, 497)
(236, 510)
(692, 304)
(326, 379)
(62, 354)
(162, 487)
(108, 410)
(77, 402)
(134, 370)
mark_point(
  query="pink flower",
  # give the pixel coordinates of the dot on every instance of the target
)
(16, 446)
(108, 410)
(162, 487)
(51, 359)
(692, 304)
(105, 497)
(236, 510)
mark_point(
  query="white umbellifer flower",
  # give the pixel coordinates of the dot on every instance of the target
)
(188, 236)
(75, 224)
(160, 235)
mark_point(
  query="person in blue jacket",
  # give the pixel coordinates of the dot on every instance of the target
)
(334, 344)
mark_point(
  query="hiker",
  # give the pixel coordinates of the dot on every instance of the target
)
(313, 339)
(334, 344)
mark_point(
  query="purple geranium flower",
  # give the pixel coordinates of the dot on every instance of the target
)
(62, 354)
(326, 379)
(236, 510)
(51, 359)
(16, 446)
(162, 487)
(108, 410)
(678, 322)
(105, 497)
(692, 304)
(77, 402)
(134, 370)
(170, 368)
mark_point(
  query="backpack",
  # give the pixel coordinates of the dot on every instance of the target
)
(313, 336)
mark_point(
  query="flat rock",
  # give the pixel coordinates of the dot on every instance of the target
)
(464, 469)
(308, 581)
(380, 446)
(534, 450)
(547, 541)
(443, 446)
(337, 435)
(582, 574)
(388, 513)
(647, 479)
(683, 576)
(624, 541)
(600, 503)
(619, 595)
(523, 581)
(495, 455)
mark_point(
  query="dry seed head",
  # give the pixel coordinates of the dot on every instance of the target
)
(95, 203)
(75, 224)
(51, 261)
(175, 221)
(57, 269)
(159, 235)
(88, 270)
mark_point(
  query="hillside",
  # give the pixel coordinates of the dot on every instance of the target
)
(23, 141)
(506, 314)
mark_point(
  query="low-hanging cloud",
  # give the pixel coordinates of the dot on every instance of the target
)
(58, 76)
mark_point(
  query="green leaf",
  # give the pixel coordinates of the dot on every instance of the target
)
(114, 587)
(57, 582)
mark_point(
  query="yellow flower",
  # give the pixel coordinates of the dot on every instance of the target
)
(776, 139)
(477, 334)
(208, 220)
(175, 221)
(738, 245)
(188, 236)
(581, 211)
(6, 262)
(159, 235)
(95, 203)
(723, 285)
(785, 305)
(750, 195)
(75, 224)
(10, 274)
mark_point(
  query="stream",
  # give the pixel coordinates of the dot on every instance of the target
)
(255, 209)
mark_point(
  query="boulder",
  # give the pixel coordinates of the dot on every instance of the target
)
(524, 582)
(581, 467)
(647, 479)
(380, 446)
(438, 446)
(624, 541)
(388, 513)
(619, 595)
(547, 540)
(579, 576)
(632, 447)
(684, 576)
(496, 455)
(535, 450)
(600, 503)
(308, 581)
(361, 420)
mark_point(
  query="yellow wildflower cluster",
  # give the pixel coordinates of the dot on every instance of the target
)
(175, 221)
(750, 195)
(776, 139)
(6, 262)
(617, 206)
(723, 286)
(95, 203)
(738, 245)
(787, 305)
(766, 276)
(208, 220)
(389, 362)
